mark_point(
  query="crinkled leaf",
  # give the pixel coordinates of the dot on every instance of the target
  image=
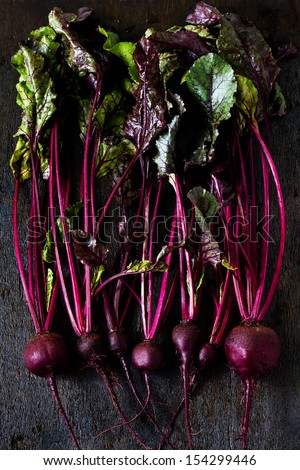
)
(169, 62)
(110, 119)
(244, 47)
(146, 265)
(112, 113)
(211, 80)
(78, 58)
(246, 97)
(202, 31)
(20, 160)
(87, 249)
(44, 41)
(35, 92)
(166, 41)
(204, 14)
(111, 150)
(97, 272)
(178, 48)
(49, 287)
(147, 119)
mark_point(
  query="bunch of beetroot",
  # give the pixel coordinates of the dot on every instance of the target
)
(148, 175)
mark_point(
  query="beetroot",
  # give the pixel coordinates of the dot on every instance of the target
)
(252, 351)
(119, 342)
(186, 338)
(207, 356)
(90, 347)
(147, 356)
(46, 354)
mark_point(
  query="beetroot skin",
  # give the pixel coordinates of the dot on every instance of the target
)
(186, 339)
(147, 356)
(91, 346)
(118, 342)
(207, 356)
(46, 354)
(252, 351)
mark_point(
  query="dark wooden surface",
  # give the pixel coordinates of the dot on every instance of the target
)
(29, 419)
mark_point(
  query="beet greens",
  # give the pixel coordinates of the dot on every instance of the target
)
(116, 136)
(48, 352)
(244, 48)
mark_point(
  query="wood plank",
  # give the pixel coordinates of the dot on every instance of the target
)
(29, 419)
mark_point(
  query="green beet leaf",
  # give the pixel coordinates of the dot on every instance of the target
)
(48, 249)
(145, 266)
(169, 63)
(20, 160)
(72, 214)
(122, 49)
(205, 203)
(77, 57)
(49, 287)
(112, 113)
(111, 150)
(44, 41)
(114, 144)
(211, 80)
(247, 98)
(97, 272)
(36, 94)
(111, 38)
(84, 111)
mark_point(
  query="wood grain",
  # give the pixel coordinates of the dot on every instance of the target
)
(29, 419)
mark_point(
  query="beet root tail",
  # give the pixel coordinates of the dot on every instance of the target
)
(248, 391)
(53, 387)
(186, 382)
(103, 374)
